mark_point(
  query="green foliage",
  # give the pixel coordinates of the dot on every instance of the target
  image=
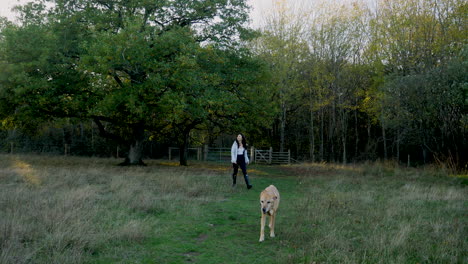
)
(386, 78)
(337, 82)
(429, 108)
(164, 67)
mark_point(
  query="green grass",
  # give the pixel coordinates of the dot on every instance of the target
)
(88, 210)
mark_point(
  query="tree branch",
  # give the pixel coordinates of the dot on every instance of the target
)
(104, 133)
(117, 79)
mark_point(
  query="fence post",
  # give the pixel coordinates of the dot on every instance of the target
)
(117, 153)
(65, 149)
(271, 154)
(252, 156)
(199, 153)
(289, 157)
(169, 153)
(205, 154)
(11, 147)
(408, 161)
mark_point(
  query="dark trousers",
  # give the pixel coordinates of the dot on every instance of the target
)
(240, 163)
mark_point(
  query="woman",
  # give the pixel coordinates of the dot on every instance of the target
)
(239, 158)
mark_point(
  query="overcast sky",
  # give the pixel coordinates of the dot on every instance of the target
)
(260, 7)
(5, 7)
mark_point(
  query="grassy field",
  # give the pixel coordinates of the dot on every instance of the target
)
(88, 210)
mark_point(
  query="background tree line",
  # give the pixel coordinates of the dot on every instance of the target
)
(368, 80)
(336, 82)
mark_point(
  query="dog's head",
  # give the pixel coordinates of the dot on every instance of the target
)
(267, 202)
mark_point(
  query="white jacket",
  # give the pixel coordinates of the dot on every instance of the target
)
(234, 153)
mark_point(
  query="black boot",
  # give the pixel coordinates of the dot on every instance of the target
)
(234, 176)
(246, 178)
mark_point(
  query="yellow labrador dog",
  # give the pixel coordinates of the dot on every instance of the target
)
(269, 201)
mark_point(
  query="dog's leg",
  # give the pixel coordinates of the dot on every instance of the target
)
(271, 221)
(272, 224)
(262, 228)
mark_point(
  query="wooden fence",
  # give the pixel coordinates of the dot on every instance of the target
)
(192, 153)
(271, 157)
(258, 156)
(205, 153)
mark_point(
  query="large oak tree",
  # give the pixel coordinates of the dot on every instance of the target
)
(135, 67)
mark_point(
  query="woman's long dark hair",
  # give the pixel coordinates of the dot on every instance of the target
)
(244, 141)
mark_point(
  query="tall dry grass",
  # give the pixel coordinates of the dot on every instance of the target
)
(66, 210)
(377, 213)
(85, 210)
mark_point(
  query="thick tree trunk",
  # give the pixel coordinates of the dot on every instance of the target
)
(135, 153)
(183, 156)
(183, 150)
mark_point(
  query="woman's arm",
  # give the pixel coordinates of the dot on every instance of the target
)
(247, 161)
(234, 153)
